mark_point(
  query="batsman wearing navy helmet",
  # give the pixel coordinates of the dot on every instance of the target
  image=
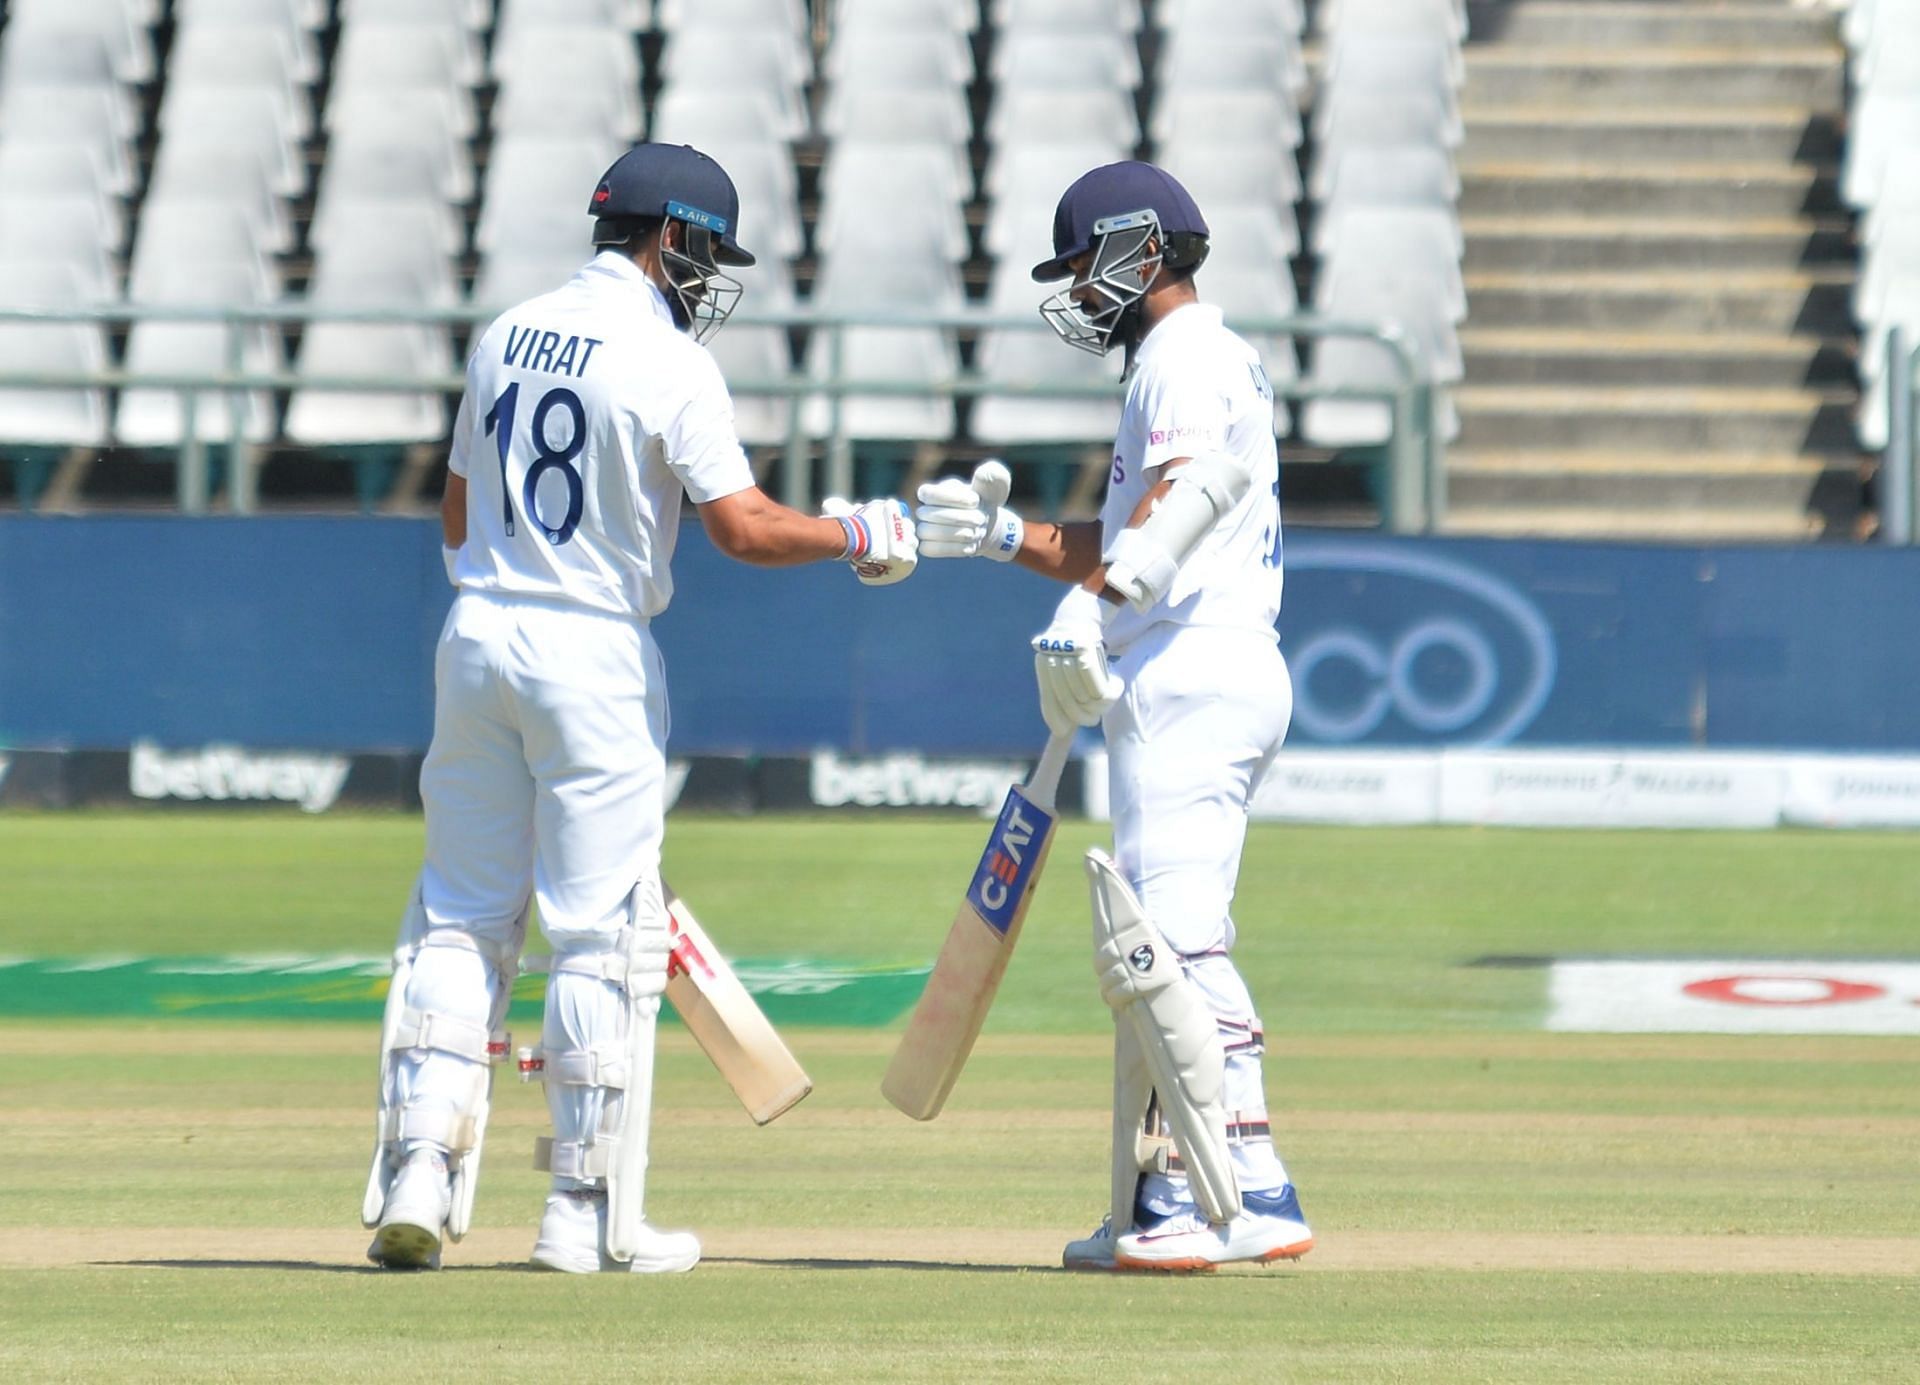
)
(1166, 638)
(589, 414)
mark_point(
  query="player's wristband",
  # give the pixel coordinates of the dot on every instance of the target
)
(451, 557)
(1006, 531)
(859, 538)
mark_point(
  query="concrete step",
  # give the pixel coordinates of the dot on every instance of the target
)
(1812, 76)
(1685, 192)
(1535, 357)
(1811, 302)
(1690, 488)
(1738, 421)
(1695, 135)
(1556, 23)
(1559, 243)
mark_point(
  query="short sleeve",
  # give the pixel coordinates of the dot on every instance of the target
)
(462, 431)
(1185, 415)
(701, 445)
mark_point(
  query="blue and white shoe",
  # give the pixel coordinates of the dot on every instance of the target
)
(1270, 1227)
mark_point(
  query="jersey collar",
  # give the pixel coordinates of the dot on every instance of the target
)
(1188, 317)
(610, 264)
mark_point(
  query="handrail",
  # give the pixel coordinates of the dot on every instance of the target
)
(1415, 484)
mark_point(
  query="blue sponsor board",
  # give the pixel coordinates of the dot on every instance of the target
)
(317, 635)
(1005, 871)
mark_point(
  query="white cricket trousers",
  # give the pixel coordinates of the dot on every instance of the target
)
(547, 770)
(1204, 712)
(546, 777)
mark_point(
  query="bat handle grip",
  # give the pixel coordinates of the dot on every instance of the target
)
(1045, 780)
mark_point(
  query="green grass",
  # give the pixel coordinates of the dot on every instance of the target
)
(1419, 1103)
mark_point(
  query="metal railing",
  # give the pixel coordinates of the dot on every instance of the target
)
(1413, 496)
(1900, 464)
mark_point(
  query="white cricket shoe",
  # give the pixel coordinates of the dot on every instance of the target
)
(573, 1240)
(1093, 1252)
(415, 1216)
(1269, 1227)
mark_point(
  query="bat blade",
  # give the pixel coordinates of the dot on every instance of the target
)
(960, 989)
(730, 1028)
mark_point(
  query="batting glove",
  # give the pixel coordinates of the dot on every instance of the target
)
(881, 546)
(1070, 665)
(965, 519)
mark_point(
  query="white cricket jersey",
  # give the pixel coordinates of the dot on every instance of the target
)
(586, 416)
(1196, 388)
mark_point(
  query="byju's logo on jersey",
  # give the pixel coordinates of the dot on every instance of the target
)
(1392, 645)
(1006, 869)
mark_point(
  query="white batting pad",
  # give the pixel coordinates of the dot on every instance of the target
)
(1142, 982)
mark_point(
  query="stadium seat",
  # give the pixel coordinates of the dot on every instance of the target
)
(246, 59)
(1232, 16)
(471, 15)
(219, 235)
(536, 194)
(1055, 115)
(858, 280)
(71, 116)
(742, 65)
(49, 417)
(1121, 17)
(1016, 358)
(229, 173)
(71, 37)
(1230, 118)
(239, 117)
(954, 16)
(246, 17)
(1881, 124)
(915, 182)
(399, 352)
(751, 352)
(38, 170)
(1199, 60)
(157, 417)
(376, 56)
(1045, 59)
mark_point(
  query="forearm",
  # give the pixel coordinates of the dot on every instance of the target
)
(1064, 552)
(750, 526)
(453, 511)
(787, 538)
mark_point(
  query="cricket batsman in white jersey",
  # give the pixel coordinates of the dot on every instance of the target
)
(588, 413)
(1167, 637)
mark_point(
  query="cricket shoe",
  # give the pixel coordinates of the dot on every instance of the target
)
(1095, 1253)
(1269, 1227)
(415, 1216)
(573, 1240)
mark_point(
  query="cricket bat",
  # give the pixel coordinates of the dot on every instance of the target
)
(960, 990)
(725, 1022)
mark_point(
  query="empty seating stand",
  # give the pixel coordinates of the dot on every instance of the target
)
(432, 155)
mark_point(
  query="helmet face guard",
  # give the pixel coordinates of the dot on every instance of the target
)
(701, 296)
(1112, 283)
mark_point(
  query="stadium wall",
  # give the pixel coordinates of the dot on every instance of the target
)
(316, 635)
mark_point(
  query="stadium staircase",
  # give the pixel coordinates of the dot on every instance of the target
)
(1658, 266)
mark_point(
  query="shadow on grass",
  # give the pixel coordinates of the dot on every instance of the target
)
(521, 1267)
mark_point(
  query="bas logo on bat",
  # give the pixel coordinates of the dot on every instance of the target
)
(1005, 870)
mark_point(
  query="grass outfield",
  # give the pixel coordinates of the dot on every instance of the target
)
(1492, 1202)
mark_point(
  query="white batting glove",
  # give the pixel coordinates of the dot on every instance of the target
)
(1070, 665)
(966, 519)
(881, 546)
